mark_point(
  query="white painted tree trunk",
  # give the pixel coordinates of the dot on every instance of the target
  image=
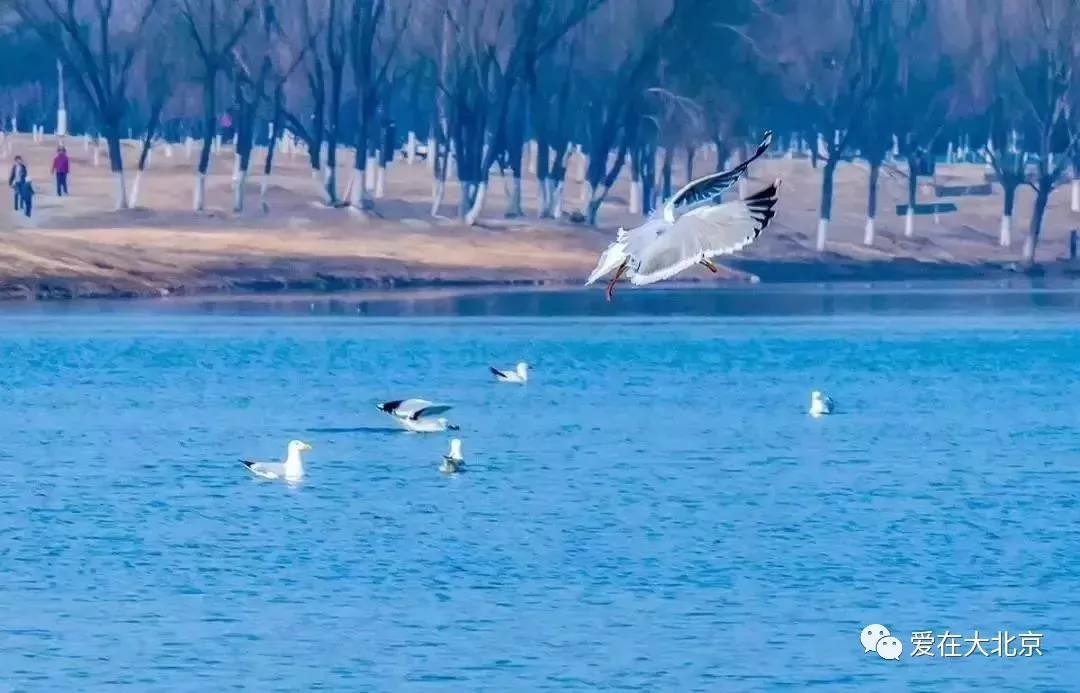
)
(264, 186)
(431, 154)
(822, 233)
(909, 223)
(635, 197)
(438, 189)
(380, 182)
(188, 142)
(1028, 246)
(121, 190)
(97, 156)
(149, 156)
(86, 143)
(369, 173)
(949, 154)
(868, 233)
(514, 207)
(1005, 238)
(236, 171)
(533, 150)
(168, 150)
(358, 189)
(238, 190)
(478, 204)
(556, 202)
(199, 199)
(135, 189)
(326, 173)
(410, 148)
(1075, 202)
(61, 106)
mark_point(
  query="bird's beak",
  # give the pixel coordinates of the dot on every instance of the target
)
(305, 447)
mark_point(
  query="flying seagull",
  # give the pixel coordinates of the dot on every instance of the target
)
(292, 469)
(418, 415)
(518, 375)
(690, 228)
(454, 460)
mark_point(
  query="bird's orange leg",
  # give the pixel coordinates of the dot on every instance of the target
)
(712, 268)
(611, 284)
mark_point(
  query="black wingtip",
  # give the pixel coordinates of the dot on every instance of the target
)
(247, 463)
(496, 372)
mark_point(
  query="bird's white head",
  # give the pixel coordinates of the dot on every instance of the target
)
(523, 369)
(815, 395)
(298, 446)
(455, 448)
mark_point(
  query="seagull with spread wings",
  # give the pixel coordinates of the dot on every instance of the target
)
(418, 415)
(691, 228)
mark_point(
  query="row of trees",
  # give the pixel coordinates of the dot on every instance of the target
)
(628, 85)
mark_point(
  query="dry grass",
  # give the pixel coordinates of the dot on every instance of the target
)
(78, 245)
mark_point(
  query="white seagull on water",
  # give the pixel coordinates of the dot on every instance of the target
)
(292, 469)
(690, 228)
(454, 460)
(418, 415)
(518, 375)
(820, 405)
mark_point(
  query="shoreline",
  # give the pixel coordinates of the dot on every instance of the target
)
(285, 281)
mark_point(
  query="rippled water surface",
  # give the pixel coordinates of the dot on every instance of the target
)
(653, 511)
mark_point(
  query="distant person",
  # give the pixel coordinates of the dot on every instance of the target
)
(61, 165)
(17, 179)
(28, 196)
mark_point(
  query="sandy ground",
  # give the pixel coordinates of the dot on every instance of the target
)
(79, 246)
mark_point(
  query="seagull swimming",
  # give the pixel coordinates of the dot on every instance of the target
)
(518, 375)
(453, 461)
(820, 405)
(416, 415)
(292, 469)
(690, 228)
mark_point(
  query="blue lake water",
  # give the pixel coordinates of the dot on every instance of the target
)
(653, 511)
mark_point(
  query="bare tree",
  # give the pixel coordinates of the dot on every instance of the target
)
(98, 47)
(369, 75)
(1043, 58)
(215, 27)
(838, 67)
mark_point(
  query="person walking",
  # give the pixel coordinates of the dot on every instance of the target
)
(28, 196)
(61, 165)
(17, 179)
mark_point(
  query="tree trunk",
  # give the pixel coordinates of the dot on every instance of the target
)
(514, 208)
(1042, 196)
(871, 203)
(913, 191)
(1075, 201)
(238, 190)
(826, 202)
(1009, 188)
(116, 164)
(691, 150)
(478, 203)
(134, 197)
(556, 198)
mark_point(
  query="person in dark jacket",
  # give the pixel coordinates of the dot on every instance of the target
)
(17, 179)
(61, 165)
(28, 196)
